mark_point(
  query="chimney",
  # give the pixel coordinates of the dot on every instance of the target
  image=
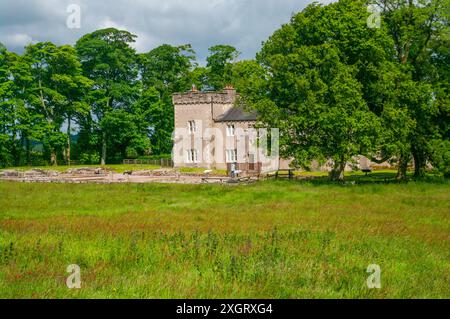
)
(230, 91)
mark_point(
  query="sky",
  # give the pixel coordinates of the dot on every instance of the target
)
(202, 23)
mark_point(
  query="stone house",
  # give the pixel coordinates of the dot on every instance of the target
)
(208, 128)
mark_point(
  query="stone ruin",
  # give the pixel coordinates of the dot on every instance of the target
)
(105, 176)
(88, 171)
(157, 172)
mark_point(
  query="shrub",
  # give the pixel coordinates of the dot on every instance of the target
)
(89, 158)
(156, 157)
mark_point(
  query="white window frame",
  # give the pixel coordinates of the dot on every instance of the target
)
(231, 130)
(192, 156)
(192, 128)
(195, 154)
(188, 156)
(231, 156)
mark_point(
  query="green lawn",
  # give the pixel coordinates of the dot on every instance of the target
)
(275, 239)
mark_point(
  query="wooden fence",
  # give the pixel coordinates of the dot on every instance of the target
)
(282, 173)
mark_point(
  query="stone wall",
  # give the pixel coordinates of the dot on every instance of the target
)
(204, 108)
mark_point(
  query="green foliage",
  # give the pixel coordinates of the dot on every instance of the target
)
(156, 157)
(111, 101)
(55, 93)
(125, 130)
(312, 92)
(247, 77)
(165, 70)
(219, 64)
(335, 87)
(108, 59)
(419, 31)
(89, 159)
(20, 123)
(5, 91)
(440, 156)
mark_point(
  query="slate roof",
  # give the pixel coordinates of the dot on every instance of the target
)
(237, 113)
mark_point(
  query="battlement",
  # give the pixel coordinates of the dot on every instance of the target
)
(227, 96)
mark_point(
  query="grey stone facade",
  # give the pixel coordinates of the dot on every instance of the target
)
(216, 112)
(208, 112)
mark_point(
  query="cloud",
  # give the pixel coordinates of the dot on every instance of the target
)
(202, 23)
(17, 40)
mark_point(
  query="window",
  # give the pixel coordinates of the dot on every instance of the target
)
(230, 130)
(191, 127)
(192, 156)
(231, 156)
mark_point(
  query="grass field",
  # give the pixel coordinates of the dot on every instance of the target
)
(274, 239)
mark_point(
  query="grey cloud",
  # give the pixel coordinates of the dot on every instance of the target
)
(202, 23)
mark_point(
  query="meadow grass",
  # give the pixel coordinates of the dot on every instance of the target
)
(274, 239)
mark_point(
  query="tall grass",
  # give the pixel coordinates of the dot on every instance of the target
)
(268, 240)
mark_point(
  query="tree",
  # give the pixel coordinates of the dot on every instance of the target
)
(165, 70)
(43, 96)
(5, 112)
(219, 64)
(199, 77)
(419, 30)
(108, 59)
(56, 93)
(439, 146)
(73, 86)
(126, 131)
(401, 76)
(25, 124)
(247, 77)
(313, 93)
(158, 114)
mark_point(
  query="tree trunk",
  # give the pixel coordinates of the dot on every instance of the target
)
(15, 150)
(337, 174)
(68, 141)
(402, 167)
(28, 150)
(103, 159)
(53, 158)
(419, 164)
